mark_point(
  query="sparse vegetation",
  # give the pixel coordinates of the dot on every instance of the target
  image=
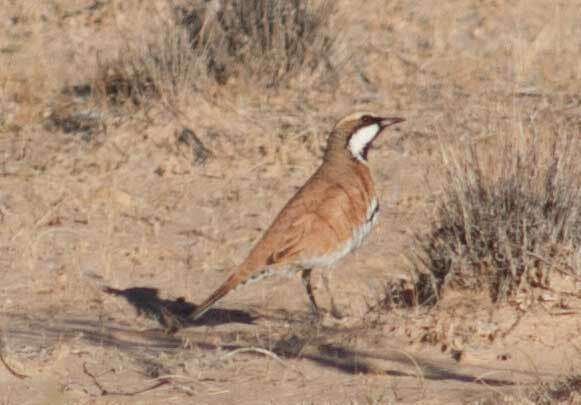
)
(566, 391)
(264, 39)
(261, 41)
(562, 391)
(146, 145)
(166, 67)
(506, 219)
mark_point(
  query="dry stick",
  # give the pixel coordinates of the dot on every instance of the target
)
(260, 351)
(169, 379)
(95, 381)
(541, 258)
(104, 392)
(180, 387)
(255, 350)
(420, 372)
(482, 379)
(519, 316)
(10, 369)
(40, 220)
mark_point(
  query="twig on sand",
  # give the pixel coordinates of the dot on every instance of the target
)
(105, 392)
(10, 369)
(255, 350)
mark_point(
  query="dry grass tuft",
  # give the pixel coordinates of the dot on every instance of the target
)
(259, 41)
(507, 217)
(567, 390)
(163, 68)
(263, 39)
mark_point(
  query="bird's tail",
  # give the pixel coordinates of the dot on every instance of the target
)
(231, 283)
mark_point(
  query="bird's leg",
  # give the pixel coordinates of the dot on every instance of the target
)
(334, 310)
(170, 321)
(306, 277)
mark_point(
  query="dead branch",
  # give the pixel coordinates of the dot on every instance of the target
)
(105, 392)
(260, 351)
(10, 369)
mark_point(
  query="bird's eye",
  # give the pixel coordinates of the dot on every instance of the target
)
(367, 119)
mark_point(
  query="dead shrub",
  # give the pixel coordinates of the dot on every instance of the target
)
(266, 42)
(507, 217)
(165, 67)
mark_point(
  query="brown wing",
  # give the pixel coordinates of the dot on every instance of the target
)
(311, 225)
(274, 249)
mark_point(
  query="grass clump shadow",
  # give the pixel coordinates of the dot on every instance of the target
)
(507, 218)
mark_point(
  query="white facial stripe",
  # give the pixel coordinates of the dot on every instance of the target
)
(360, 139)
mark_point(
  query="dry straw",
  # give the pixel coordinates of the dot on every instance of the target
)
(507, 216)
(264, 42)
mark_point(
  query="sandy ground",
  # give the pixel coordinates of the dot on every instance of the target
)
(131, 210)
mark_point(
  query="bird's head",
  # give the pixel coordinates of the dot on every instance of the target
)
(355, 133)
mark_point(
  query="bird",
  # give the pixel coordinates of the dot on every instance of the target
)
(327, 218)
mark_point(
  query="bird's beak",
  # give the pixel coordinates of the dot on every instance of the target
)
(389, 121)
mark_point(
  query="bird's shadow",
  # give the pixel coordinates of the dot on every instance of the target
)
(173, 315)
(315, 344)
